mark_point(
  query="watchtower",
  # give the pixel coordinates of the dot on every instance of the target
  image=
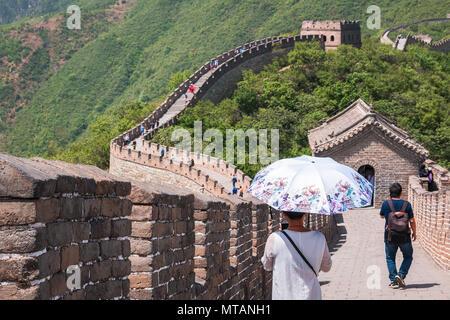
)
(336, 32)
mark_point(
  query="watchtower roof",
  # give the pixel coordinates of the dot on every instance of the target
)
(351, 121)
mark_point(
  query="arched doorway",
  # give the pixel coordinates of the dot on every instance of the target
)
(368, 172)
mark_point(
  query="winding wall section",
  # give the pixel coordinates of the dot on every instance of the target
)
(211, 173)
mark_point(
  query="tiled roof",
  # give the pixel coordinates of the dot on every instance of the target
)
(351, 121)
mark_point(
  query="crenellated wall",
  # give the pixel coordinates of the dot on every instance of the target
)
(192, 246)
(432, 215)
(55, 215)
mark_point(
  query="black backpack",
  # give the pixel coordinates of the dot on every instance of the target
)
(398, 224)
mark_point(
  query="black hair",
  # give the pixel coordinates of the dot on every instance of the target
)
(294, 215)
(395, 190)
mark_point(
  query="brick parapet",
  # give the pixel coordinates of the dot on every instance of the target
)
(433, 220)
(54, 216)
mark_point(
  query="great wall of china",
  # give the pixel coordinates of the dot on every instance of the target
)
(181, 235)
(402, 43)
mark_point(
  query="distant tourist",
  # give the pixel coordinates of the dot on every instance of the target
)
(241, 192)
(399, 219)
(235, 190)
(234, 180)
(423, 172)
(185, 98)
(432, 186)
(127, 139)
(162, 152)
(295, 256)
(142, 129)
(216, 63)
(192, 88)
(211, 65)
(191, 164)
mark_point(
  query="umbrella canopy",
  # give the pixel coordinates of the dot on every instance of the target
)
(311, 184)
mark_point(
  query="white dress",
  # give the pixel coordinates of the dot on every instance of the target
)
(292, 278)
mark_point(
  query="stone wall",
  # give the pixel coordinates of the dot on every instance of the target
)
(432, 215)
(193, 246)
(55, 215)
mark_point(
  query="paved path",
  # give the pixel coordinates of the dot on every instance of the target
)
(360, 245)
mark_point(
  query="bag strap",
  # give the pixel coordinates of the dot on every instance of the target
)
(405, 203)
(391, 205)
(299, 252)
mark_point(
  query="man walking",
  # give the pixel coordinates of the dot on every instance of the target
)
(399, 219)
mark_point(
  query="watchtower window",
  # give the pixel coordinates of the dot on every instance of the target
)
(324, 38)
(332, 38)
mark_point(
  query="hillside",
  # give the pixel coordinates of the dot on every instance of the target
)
(133, 61)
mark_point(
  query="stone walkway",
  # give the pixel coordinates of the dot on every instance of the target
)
(358, 253)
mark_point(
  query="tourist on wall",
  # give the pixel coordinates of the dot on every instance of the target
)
(192, 88)
(423, 172)
(293, 281)
(432, 186)
(399, 219)
(162, 152)
(127, 139)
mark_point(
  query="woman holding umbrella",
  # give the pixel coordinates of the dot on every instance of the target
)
(296, 187)
(294, 277)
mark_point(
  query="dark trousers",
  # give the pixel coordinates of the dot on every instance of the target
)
(391, 251)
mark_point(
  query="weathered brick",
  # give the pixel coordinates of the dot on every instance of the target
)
(141, 229)
(100, 229)
(121, 228)
(81, 231)
(19, 269)
(121, 268)
(141, 264)
(126, 248)
(58, 284)
(13, 292)
(141, 247)
(48, 210)
(14, 213)
(96, 291)
(144, 213)
(140, 280)
(126, 208)
(92, 207)
(71, 208)
(113, 289)
(111, 207)
(101, 270)
(69, 256)
(49, 263)
(110, 248)
(89, 251)
(59, 233)
(22, 240)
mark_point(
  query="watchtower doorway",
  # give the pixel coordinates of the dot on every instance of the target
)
(368, 172)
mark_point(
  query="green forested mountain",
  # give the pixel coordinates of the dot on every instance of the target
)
(12, 10)
(134, 60)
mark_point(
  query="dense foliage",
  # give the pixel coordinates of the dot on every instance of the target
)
(158, 38)
(295, 92)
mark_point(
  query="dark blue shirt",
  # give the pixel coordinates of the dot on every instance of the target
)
(398, 204)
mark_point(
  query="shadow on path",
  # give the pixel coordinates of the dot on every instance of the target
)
(340, 235)
(421, 286)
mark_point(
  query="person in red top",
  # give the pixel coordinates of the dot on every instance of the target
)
(191, 88)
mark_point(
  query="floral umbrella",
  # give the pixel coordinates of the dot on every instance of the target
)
(311, 184)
